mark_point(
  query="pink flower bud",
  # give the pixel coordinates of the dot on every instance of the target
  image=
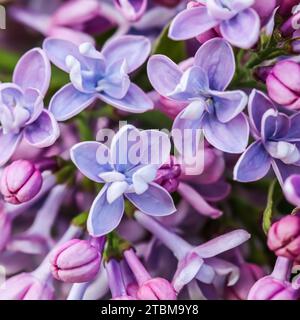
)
(249, 274)
(269, 288)
(26, 286)
(5, 229)
(75, 261)
(283, 84)
(264, 9)
(286, 6)
(20, 182)
(284, 237)
(156, 289)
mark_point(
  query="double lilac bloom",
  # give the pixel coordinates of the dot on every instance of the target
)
(125, 170)
(277, 142)
(22, 113)
(98, 75)
(237, 22)
(217, 112)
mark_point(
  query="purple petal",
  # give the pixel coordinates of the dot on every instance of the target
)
(231, 137)
(242, 30)
(283, 171)
(91, 158)
(57, 51)
(156, 201)
(222, 243)
(33, 71)
(33, 100)
(187, 270)
(294, 130)
(197, 201)
(135, 49)
(291, 189)
(217, 59)
(125, 148)
(163, 74)
(190, 23)
(43, 132)
(135, 100)
(68, 102)
(104, 217)
(9, 143)
(229, 104)
(131, 9)
(253, 165)
(269, 124)
(259, 103)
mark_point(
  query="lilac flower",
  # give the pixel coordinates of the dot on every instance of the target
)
(197, 262)
(124, 176)
(239, 24)
(277, 142)
(217, 112)
(132, 10)
(98, 75)
(22, 113)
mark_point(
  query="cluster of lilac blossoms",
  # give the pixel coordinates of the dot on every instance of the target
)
(150, 150)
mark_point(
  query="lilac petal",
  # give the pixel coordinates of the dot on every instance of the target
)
(57, 51)
(131, 9)
(193, 81)
(283, 124)
(222, 243)
(217, 59)
(293, 134)
(33, 71)
(92, 159)
(242, 30)
(196, 200)
(190, 23)
(219, 11)
(253, 165)
(125, 148)
(231, 137)
(214, 192)
(291, 189)
(269, 124)
(187, 270)
(156, 147)
(135, 100)
(9, 143)
(284, 171)
(135, 49)
(163, 74)
(258, 104)
(156, 201)
(104, 217)
(224, 269)
(229, 104)
(33, 100)
(43, 132)
(68, 102)
(186, 133)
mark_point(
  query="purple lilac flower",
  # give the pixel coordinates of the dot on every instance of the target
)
(22, 113)
(124, 176)
(98, 75)
(132, 10)
(276, 143)
(239, 24)
(217, 112)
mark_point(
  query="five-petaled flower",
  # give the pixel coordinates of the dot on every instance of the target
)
(277, 142)
(127, 169)
(22, 113)
(217, 112)
(98, 75)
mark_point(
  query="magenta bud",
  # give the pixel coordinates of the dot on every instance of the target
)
(168, 175)
(75, 261)
(5, 229)
(284, 237)
(269, 288)
(20, 182)
(283, 84)
(26, 286)
(156, 289)
(249, 274)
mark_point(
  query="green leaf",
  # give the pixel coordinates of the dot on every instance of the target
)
(80, 220)
(268, 212)
(175, 50)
